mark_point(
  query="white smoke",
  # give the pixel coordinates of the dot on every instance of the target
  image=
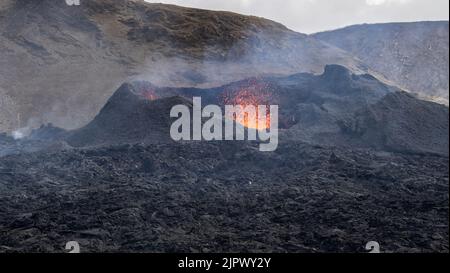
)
(21, 133)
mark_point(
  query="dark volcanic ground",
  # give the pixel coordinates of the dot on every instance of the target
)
(127, 187)
(223, 197)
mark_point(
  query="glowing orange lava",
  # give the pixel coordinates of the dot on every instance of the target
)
(150, 94)
(252, 93)
(146, 90)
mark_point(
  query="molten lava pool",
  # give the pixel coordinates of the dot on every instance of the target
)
(254, 93)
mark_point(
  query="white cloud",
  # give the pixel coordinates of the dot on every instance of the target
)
(383, 2)
(375, 2)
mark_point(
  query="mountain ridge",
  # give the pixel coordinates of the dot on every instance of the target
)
(61, 63)
(337, 108)
(413, 55)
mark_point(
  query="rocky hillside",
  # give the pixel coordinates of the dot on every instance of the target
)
(415, 56)
(336, 108)
(129, 117)
(400, 122)
(61, 63)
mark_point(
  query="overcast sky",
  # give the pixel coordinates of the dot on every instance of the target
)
(310, 16)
